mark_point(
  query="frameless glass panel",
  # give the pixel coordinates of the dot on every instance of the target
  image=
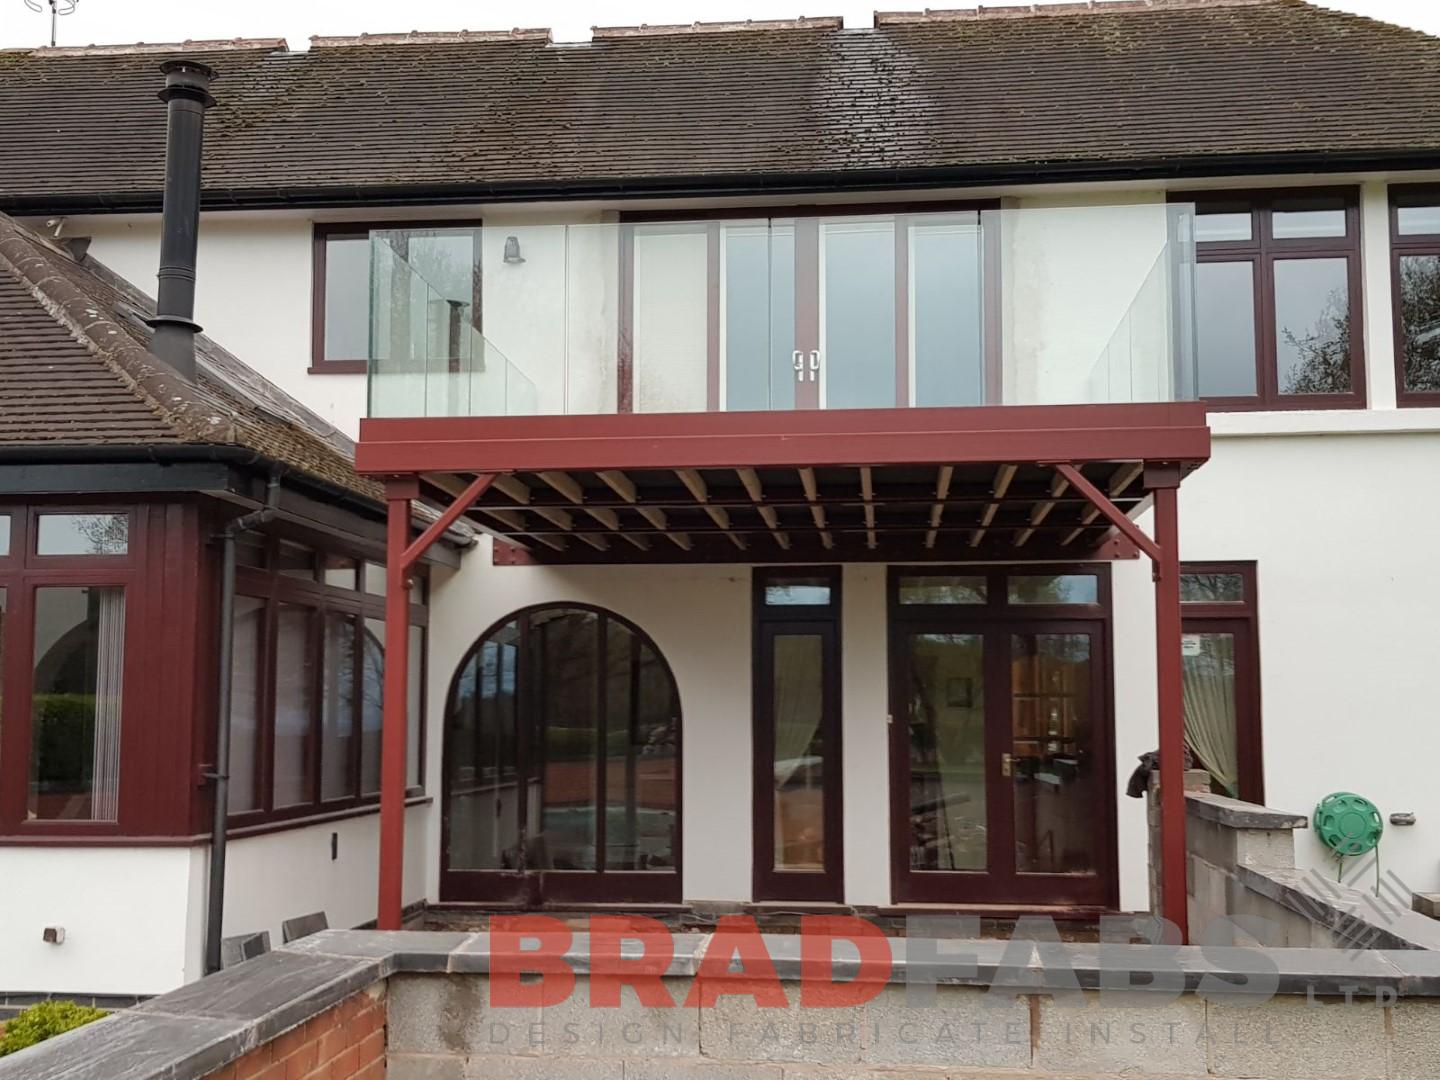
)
(759, 283)
(857, 344)
(422, 285)
(946, 702)
(798, 708)
(1054, 767)
(790, 590)
(947, 359)
(1053, 589)
(372, 701)
(640, 763)
(293, 661)
(482, 758)
(942, 589)
(670, 336)
(1312, 325)
(1298, 224)
(1208, 681)
(414, 707)
(1225, 328)
(83, 534)
(1215, 227)
(75, 705)
(563, 658)
(1420, 321)
(347, 298)
(337, 710)
(1219, 588)
(1417, 220)
(245, 707)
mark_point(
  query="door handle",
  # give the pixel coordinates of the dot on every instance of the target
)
(797, 361)
(1007, 765)
(814, 363)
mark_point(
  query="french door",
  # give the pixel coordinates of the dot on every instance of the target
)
(1000, 762)
(843, 311)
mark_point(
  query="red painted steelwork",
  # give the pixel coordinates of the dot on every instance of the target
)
(398, 494)
(798, 438)
(1109, 510)
(1171, 704)
(416, 551)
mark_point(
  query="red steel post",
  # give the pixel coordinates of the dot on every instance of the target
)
(398, 495)
(1171, 704)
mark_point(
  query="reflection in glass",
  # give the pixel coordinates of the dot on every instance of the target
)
(75, 704)
(798, 706)
(1299, 224)
(858, 304)
(941, 589)
(294, 665)
(759, 316)
(1232, 227)
(946, 321)
(337, 709)
(4, 534)
(670, 337)
(1420, 320)
(790, 590)
(347, 298)
(1208, 666)
(372, 703)
(414, 707)
(1054, 589)
(83, 534)
(1223, 588)
(1417, 220)
(1225, 328)
(1054, 773)
(249, 619)
(482, 758)
(641, 767)
(1312, 326)
(563, 656)
(947, 752)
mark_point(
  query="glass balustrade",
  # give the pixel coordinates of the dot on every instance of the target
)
(1032, 305)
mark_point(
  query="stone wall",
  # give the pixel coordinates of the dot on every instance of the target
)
(346, 1042)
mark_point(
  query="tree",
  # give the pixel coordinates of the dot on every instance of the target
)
(1323, 354)
(1420, 321)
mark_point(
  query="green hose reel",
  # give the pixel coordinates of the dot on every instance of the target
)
(1349, 825)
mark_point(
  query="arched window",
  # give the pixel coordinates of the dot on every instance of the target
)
(562, 765)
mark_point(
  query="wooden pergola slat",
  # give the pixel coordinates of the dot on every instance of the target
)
(1003, 476)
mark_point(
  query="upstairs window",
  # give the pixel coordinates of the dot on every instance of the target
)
(393, 293)
(1278, 300)
(1415, 265)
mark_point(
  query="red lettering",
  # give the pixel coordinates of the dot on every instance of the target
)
(818, 934)
(609, 969)
(509, 960)
(736, 936)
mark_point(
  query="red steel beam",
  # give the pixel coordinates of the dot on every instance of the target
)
(398, 495)
(1109, 510)
(452, 513)
(797, 438)
(1171, 706)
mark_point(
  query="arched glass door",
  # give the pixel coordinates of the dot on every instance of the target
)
(562, 764)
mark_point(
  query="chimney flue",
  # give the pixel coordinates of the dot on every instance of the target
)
(187, 96)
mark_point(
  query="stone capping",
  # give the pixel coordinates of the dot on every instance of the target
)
(1234, 814)
(1353, 915)
(200, 1028)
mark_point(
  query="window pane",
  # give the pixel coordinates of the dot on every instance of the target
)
(798, 708)
(372, 712)
(296, 561)
(375, 578)
(1054, 589)
(1225, 328)
(248, 621)
(1412, 220)
(347, 298)
(857, 354)
(1420, 321)
(1312, 326)
(294, 704)
(947, 355)
(1212, 588)
(481, 758)
(759, 316)
(1231, 227)
(640, 743)
(564, 664)
(4, 534)
(75, 708)
(1208, 680)
(785, 591)
(338, 570)
(83, 534)
(937, 589)
(414, 706)
(946, 700)
(1297, 224)
(337, 715)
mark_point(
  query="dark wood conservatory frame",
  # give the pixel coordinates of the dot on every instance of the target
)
(539, 888)
(1401, 245)
(1262, 250)
(998, 884)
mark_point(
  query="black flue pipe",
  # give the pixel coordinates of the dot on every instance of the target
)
(186, 96)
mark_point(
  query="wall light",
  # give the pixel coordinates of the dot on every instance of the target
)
(512, 251)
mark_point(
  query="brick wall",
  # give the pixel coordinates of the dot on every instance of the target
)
(346, 1042)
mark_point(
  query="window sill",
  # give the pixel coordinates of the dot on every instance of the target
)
(240, 830)
(1410, 419)
(339, 367)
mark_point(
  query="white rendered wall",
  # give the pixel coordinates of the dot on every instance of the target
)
(125, 911)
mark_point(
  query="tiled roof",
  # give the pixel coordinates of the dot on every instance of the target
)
(1124, 84)
(74, 372)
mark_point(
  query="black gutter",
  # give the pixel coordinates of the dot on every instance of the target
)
(738, 184)
(215, 911)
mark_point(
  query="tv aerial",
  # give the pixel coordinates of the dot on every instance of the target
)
(57, 8)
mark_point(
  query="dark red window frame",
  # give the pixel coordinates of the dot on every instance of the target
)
(1406, 195)
(1262, 251)
(324, 232)
(321, 601)
(1241, 618)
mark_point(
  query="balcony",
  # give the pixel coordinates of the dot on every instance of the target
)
(1037, 305)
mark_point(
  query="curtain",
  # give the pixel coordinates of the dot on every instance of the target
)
(799, 783)
(109, 674)
(1209, 688)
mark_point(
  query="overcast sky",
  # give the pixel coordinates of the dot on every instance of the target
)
(114, 21)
